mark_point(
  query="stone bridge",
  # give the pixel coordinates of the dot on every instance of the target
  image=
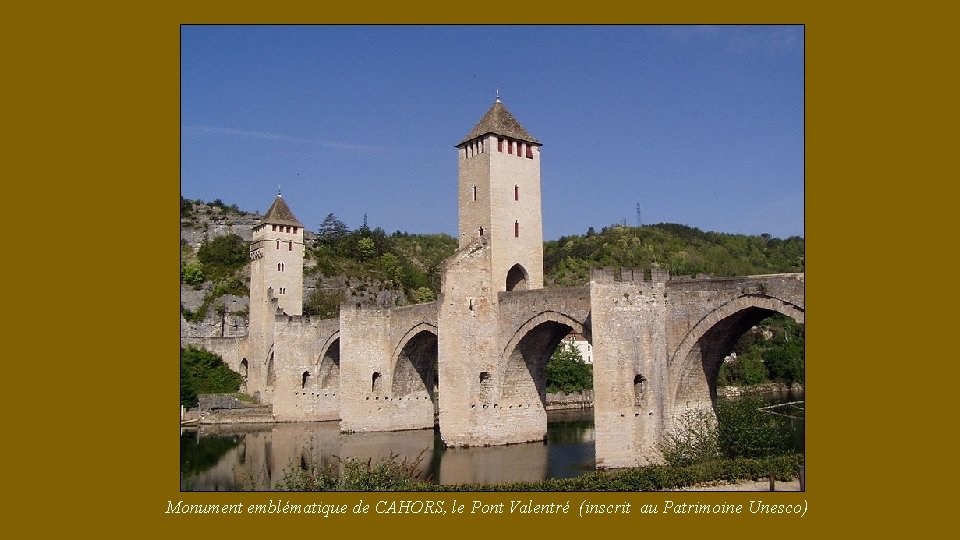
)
(474, 362)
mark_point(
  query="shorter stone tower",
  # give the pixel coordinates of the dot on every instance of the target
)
(276, 286)
(276, 267)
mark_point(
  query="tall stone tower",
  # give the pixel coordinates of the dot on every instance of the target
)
(276, 269)
(499, 198)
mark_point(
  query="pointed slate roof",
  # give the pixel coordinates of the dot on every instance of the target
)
(280, 214)
(498, 120)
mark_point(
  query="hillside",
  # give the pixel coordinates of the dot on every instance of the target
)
(369, 266)
(366, 266)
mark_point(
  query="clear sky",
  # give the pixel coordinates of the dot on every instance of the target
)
(699, 125)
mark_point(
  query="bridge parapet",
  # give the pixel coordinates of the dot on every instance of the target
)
(629, 275)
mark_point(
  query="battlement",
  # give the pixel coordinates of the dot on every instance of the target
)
(629, 275)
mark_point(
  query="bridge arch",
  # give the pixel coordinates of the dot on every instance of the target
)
(328, 370)
(695, 363)
(415, 363)
(527, 352)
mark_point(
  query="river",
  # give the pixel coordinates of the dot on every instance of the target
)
(256, 456)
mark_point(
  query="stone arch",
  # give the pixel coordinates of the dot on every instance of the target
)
(527, 353)
(517, 278)
(415, 366)
(695, 363)
(328, 370)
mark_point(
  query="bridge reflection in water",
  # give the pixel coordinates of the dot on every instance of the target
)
(255, 457)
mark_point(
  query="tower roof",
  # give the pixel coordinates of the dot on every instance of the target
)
(498, 120)
(280, 214)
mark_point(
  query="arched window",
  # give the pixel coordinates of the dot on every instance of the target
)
(517, 278)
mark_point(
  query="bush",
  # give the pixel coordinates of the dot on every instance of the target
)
(202, 372)
(746, 431)
(388, 474)
(693, 439)
(223, 255)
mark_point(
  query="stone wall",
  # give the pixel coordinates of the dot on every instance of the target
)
(383, 381)
(298, 353)
(629, 374)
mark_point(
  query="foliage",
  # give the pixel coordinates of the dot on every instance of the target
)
(223, 255)
(389, 474)
(323, 304)
(394, 474)
(202, 372)
(191, 273)
(566, 370)
(693, 439)
(423, 295)
(400, 261)
(680, 249)
(366, 249)
(739, 430)
(746, 431)
(771, 351)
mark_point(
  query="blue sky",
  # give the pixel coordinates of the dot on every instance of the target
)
(700, 125)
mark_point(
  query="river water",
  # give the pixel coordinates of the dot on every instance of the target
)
(256, 456)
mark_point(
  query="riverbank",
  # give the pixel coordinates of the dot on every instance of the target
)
(773, 388)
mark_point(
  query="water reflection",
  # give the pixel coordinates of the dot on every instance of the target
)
(255, 456)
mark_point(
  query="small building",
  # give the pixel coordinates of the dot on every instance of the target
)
(580, 342)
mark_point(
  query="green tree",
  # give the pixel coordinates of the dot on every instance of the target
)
(202, 372)
(366, 249)
(223, 255)
(566, 370)
(423, 295)
(332, 230)
(323, 304)
(191, 273)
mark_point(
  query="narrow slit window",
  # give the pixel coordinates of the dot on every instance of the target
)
(290, 245)
(516, 229)
(278, 244)
(516, 193)
(474, 192)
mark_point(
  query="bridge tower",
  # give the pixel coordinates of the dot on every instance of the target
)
(276, 285)
(499, 198)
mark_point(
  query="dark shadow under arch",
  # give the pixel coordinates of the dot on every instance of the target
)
(517, 278)
(415, 369)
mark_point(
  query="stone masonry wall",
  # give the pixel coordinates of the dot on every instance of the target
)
(297, 395)
(369, 340)
(629, 374)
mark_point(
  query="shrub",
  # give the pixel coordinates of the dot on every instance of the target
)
(202, 372)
